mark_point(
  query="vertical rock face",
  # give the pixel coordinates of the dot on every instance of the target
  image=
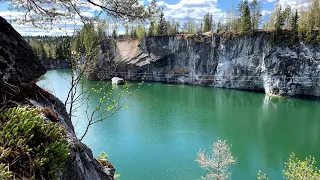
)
(247, 62)
(19, 68)
(18, 62)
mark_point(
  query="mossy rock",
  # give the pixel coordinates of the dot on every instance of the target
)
(33, 148)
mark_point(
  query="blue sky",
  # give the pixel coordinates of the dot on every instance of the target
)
(173, 9)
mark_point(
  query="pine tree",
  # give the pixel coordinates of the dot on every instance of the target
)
(287, 16)
(127, 30)
(162, 26)
(206, 21)
(151, 29)
(245, 16)
(294, 27)
(279, 20)
(140, 32)
(42, 51)
(210, 22)
(114, 34)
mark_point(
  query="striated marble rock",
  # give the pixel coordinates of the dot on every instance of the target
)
(246, 62)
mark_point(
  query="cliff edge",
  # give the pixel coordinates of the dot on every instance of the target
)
(19, 69)
(225, 60)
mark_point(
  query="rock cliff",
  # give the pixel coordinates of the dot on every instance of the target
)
(247, 62)
(19, 69)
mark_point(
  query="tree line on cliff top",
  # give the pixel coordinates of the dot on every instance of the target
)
(300, 22)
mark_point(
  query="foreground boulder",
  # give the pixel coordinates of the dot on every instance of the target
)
(19, 69)
(18, 62)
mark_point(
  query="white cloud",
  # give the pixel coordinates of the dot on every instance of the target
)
(265, 12)
(10, 14)
(181, 11)
(293, 3)
(195, 10)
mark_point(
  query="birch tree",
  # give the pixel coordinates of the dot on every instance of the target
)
(217, 163)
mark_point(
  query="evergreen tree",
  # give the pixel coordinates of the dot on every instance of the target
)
(59, 52)
(140, 32)
(210, 22)
(133, 33)
(206, 21)
(172, 27)
(162, 26)
(151, 29)
(245, 15)
(127, 30)
(49, 51)
(287, 16)
(114, 34)
(279, 20)
(200, 28)
(294, 27)
(42, 51)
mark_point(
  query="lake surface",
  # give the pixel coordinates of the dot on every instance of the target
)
(160, 135)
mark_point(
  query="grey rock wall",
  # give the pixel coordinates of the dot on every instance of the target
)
(18, 62)
(247, 62)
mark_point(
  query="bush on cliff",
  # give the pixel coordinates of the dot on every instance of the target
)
(30, 147)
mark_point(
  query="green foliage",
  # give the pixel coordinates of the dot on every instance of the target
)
(173, 27)
(103, 156)
(114, 34)
(116, 176)
(87, 40)
(279, 19)
(5, 174)
(127, 30)
(262, 176)
(162, 25)
(51, 47)
(245, 16)
(45, 14)
(294, 27)
(304, 170)
(141, 32)
(286, 16)
(151, 29)
(256, 15)
(207, 26)
(28, 142)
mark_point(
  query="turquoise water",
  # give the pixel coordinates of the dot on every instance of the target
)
(160, 135)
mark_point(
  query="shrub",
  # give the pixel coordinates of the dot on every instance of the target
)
(262, 176)
(5, 174)
(297, 169)
(34, 148)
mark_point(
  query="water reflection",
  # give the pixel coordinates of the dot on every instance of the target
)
(167, 125)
